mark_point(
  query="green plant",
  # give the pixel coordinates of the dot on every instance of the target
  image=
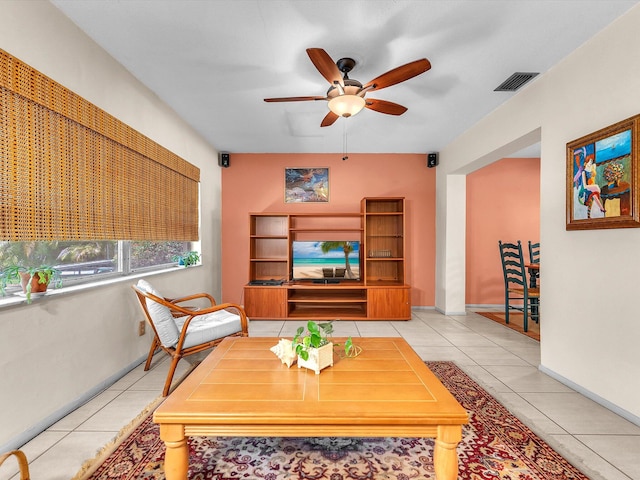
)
(14, 274)
(187, 258)
(347, 248)
(316, 336)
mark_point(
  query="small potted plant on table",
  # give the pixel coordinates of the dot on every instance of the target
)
(315, 350)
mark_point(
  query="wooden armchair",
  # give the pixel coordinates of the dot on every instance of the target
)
(22, 462)
(181, 331)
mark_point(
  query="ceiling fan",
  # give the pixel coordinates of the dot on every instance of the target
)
(346, 96)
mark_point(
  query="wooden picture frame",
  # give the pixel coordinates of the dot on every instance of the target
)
(304, 185)
(602, 178)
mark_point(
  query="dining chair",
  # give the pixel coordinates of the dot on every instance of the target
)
(534, 257)
(182, 330)
(534, 252)
(516, 285)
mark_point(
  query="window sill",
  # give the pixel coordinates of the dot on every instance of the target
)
(17, 300)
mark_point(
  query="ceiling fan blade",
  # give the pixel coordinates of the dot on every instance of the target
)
(325, 65)
(399, 74)
(329, 119)
(293, 99)
(384, 106)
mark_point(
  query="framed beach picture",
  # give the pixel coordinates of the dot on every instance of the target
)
(306, 185)
(602, 178)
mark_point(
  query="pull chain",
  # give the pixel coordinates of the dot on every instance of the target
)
(345, 155)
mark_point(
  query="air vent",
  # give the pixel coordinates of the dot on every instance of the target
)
(515, 81)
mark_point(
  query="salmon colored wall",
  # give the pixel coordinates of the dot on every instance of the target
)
(255, 183)
(503, 203)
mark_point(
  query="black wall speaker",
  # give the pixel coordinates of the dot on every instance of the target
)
(224, 159)
(432, 159)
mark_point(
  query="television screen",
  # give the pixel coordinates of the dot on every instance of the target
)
(337, 260)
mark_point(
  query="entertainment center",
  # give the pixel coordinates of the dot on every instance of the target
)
(330, 281)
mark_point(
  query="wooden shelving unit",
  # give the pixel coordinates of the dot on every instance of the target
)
(269, 247)
(381, 294)
(384, 240)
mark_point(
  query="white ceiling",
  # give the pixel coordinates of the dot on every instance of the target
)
(213, 62)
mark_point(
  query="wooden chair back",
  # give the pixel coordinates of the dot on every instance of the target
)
(23, 465)
(513, 267)
(534, 252)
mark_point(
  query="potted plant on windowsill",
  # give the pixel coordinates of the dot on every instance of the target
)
(315, 349)
(33, 279)
(187, 258)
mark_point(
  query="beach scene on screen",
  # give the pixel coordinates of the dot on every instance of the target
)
(334, 259)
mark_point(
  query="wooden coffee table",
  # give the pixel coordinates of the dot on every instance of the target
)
(242, 389)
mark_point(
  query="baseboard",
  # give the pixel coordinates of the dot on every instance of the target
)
(35, 430)
(591, 396)
(451, 314)
(484, 305)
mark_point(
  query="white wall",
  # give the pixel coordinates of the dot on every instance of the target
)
(589, 288)
(55, 351)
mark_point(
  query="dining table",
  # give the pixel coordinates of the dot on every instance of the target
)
(534, 273)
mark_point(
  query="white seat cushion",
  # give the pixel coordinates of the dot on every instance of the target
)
(163, 320)
(208, 327)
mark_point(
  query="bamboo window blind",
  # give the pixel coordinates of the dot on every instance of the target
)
(71, 171)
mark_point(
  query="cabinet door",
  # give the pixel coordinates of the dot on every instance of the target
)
(388, 303)
(265, 302)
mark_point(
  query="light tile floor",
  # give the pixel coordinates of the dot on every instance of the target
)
(600, 443)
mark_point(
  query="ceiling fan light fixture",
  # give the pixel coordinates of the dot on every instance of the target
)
(346, 105)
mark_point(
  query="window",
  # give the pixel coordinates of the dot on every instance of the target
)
(153, 254)
(71, 171)
(88, 261)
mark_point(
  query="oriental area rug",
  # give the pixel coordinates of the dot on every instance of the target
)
(495, 445)
(515, 323)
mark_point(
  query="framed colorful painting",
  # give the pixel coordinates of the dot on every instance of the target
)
(306, 185)
(602, 178)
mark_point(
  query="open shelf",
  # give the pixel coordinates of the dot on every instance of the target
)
(384, 239)
(268, 247)
(293, 230)
(327, 295)
(327, 311)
